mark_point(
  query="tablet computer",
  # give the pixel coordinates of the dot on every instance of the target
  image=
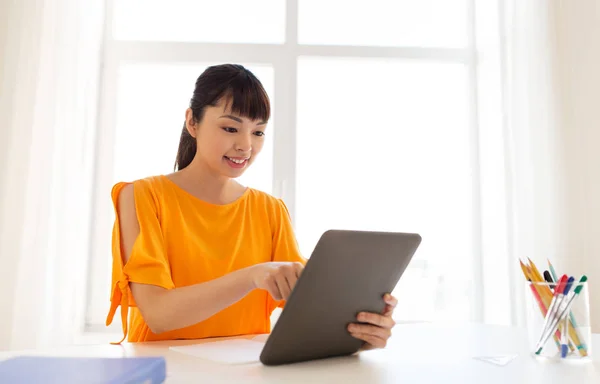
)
(347, 273)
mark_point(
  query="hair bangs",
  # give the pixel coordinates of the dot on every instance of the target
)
(247, 98)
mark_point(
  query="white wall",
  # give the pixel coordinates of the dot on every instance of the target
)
(554, 119)
(578, 53)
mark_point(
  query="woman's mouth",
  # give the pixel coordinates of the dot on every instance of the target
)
(236, 162)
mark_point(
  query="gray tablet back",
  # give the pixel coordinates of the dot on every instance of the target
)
(348, 272)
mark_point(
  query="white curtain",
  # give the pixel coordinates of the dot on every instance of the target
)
(550, 57)
(50, 59)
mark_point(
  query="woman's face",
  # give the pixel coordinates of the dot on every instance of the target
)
(226, 142)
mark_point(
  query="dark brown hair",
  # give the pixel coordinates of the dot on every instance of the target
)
(242, 90)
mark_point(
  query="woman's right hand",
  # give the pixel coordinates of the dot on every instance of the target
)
(278, 278)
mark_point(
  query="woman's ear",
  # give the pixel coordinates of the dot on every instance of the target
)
(190, 123)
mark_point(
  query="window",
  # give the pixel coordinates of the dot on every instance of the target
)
(398, 162)
(374, 123)
(224, 21)
(392, 23)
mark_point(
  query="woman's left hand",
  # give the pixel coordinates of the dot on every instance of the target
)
(377, 328)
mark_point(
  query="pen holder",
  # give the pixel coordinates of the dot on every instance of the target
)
(549, 315)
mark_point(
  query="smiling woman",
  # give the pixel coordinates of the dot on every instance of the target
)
(181, 273)
(195, 253)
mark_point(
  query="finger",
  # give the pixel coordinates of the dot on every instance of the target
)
(372, 341)
(292, 275)
(373, 330)
(291, 279)
(376, 319)
(283, 286)
(273, 289)
(298, 268)
(390, 300)
(388, 311)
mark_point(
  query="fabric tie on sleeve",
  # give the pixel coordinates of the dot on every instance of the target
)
(120, 297)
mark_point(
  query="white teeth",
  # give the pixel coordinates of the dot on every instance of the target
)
(240, 161)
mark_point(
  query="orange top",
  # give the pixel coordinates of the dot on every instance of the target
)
(184, 240)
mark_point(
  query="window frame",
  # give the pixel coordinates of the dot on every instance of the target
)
(283, 58)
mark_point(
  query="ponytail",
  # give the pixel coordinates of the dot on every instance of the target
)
(186, 150)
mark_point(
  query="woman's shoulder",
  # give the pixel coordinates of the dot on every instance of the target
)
(149, 186)
(263, 197)
(275, 206)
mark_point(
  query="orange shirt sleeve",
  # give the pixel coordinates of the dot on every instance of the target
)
(285, 245)
(148, 262)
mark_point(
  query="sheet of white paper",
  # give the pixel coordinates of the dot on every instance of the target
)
(262, 338)
(497, 360)
(234, 351)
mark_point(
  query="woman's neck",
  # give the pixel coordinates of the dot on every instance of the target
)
(205, 184)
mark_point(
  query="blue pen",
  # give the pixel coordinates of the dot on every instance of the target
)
(564, 333)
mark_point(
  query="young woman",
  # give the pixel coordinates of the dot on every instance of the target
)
(196, 254)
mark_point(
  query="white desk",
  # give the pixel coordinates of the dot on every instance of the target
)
(417, 353)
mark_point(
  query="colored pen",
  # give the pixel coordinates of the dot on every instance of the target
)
(549, 279)
(564, 331)
(552, 271)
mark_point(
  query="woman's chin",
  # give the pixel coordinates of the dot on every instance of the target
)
(233, 173)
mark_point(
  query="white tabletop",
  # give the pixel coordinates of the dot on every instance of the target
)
(417, 353)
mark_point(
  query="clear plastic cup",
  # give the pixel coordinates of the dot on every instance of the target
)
(547, 338)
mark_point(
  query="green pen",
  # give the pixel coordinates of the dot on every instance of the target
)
(552, 271)
(581, 346)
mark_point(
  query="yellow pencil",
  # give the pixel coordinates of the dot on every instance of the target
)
(536, 272)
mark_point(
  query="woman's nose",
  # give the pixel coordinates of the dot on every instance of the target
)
(244, 143)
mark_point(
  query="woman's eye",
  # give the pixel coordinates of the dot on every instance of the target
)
(230, 130)
(259, 133)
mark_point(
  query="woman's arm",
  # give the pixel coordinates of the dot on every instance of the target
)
(168, 309)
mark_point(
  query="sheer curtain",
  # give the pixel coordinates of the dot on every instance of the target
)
(551, 53)
(50, 56)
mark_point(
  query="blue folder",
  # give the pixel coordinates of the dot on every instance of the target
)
(65, 370)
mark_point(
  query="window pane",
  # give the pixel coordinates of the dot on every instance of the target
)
(152, 99)
(427, 23)
(223, 21)
(385, 145)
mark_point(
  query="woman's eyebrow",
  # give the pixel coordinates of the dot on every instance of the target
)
(235, 118)
(232, 118)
